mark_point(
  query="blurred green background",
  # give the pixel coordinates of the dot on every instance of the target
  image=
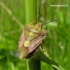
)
(56, 42)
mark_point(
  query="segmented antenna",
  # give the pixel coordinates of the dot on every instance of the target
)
(51, 21)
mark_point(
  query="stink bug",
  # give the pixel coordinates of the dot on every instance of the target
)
(30, 39)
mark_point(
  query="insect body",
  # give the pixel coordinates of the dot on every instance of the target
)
(30, 39)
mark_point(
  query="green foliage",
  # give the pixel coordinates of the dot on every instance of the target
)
(56, 43)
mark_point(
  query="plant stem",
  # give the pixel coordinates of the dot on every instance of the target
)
(34, 64)
(30, 10)
(30, 15)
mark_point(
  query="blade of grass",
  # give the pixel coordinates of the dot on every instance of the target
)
(42, 57)
(11, 14)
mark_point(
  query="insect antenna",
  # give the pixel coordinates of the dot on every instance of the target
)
(50, 21)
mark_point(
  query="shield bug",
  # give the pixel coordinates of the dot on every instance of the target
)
(30, 39)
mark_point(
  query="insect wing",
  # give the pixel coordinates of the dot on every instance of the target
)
(22, 51)
(35, 43)
(22, 38)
